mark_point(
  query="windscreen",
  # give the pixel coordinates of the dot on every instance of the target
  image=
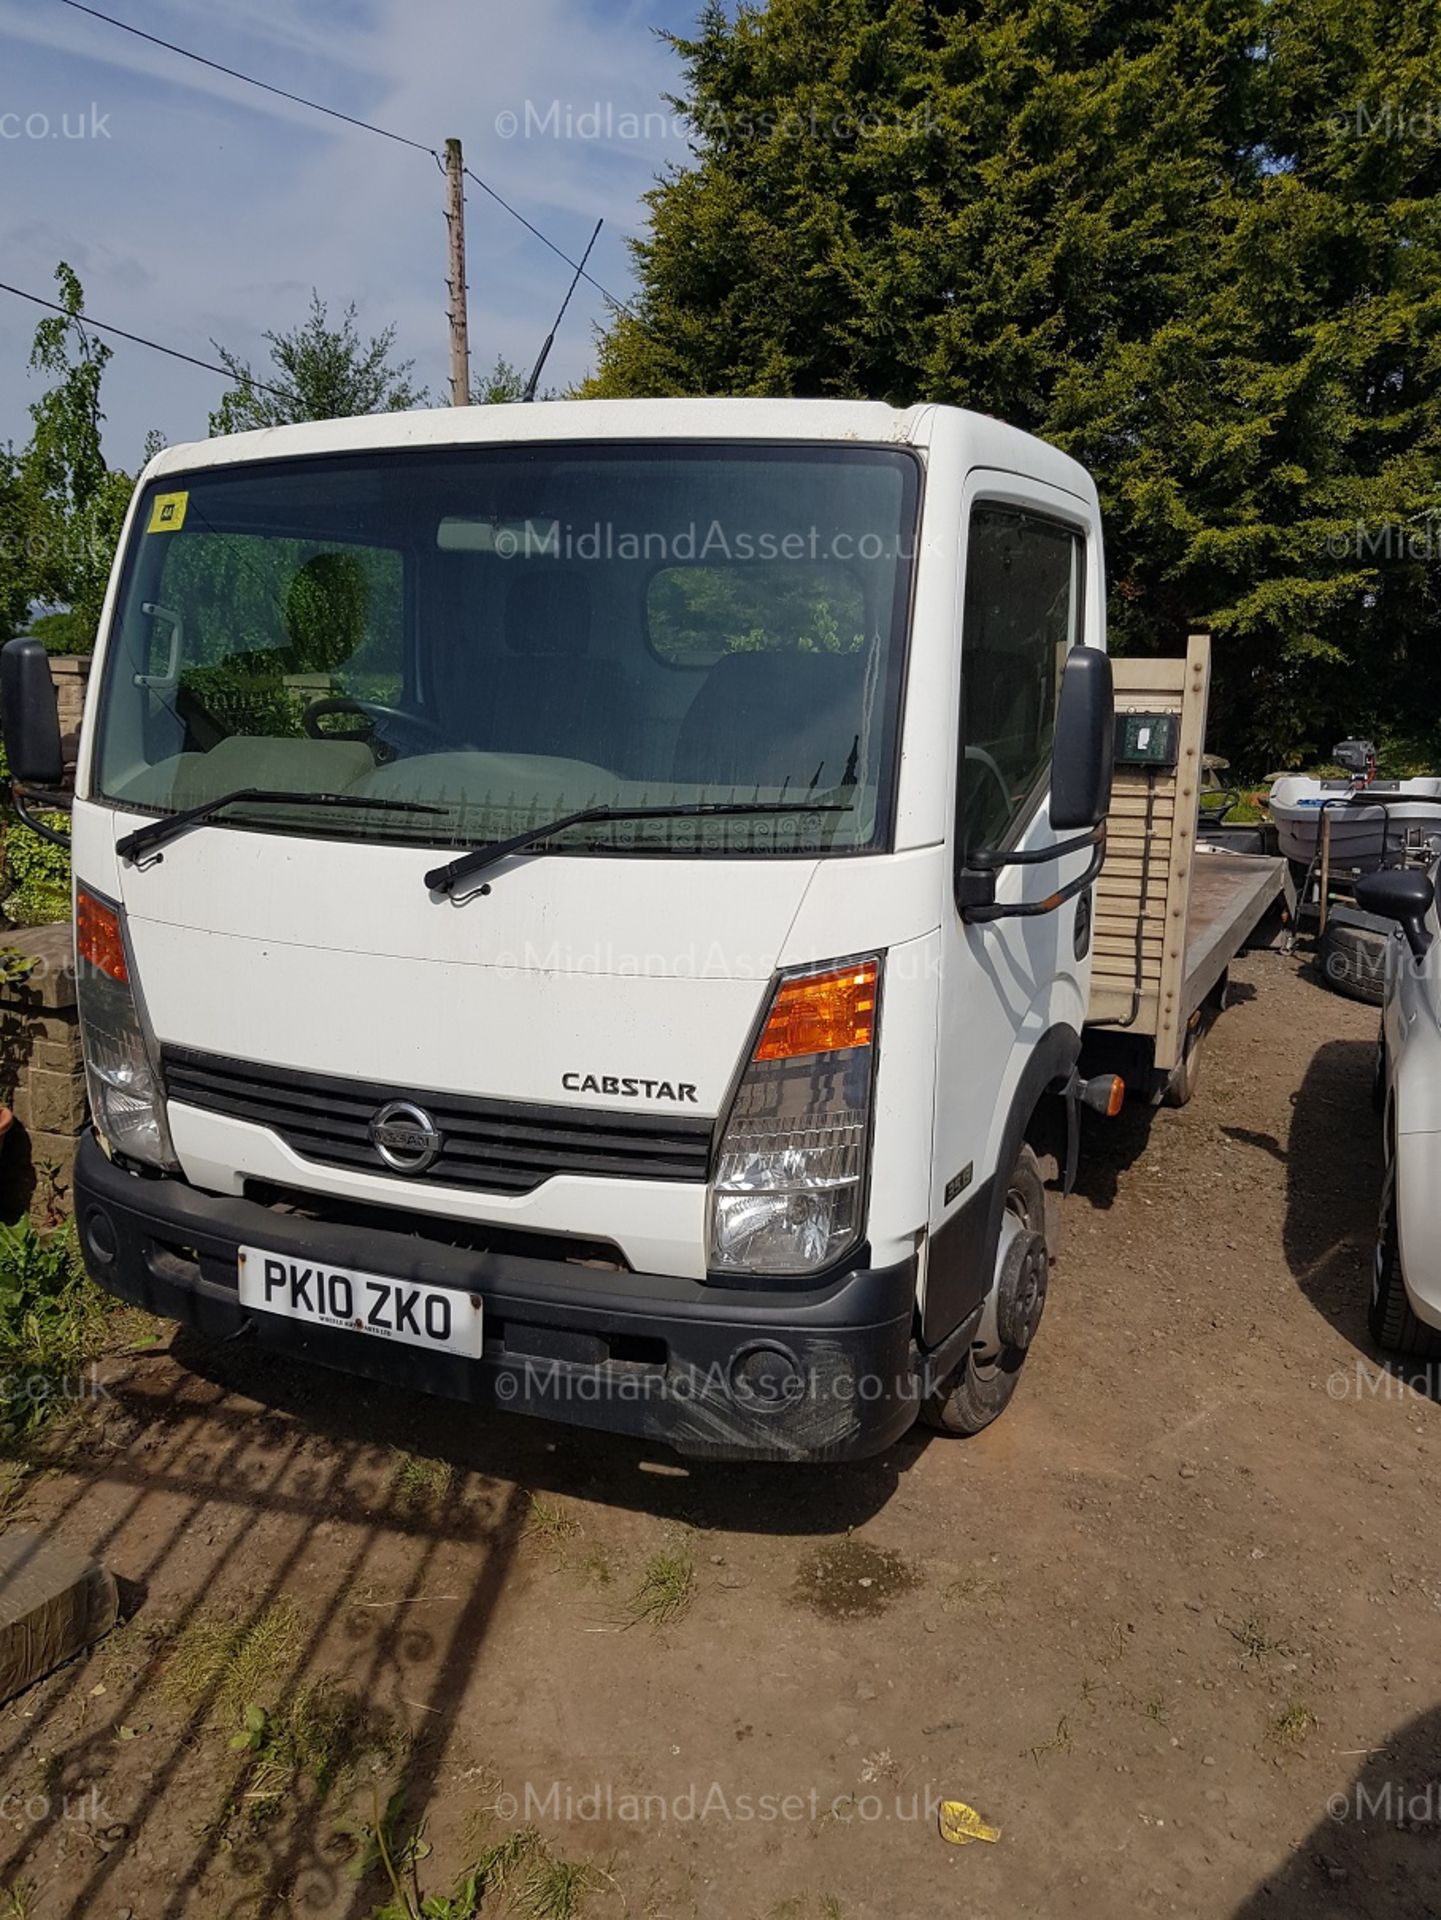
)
(481, 640)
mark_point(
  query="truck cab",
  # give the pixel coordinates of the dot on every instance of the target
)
(586, 907)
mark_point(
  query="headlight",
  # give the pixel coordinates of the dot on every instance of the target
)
(127, 1101)
(789, 1187)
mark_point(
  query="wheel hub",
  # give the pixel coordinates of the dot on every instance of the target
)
(1021, 1291)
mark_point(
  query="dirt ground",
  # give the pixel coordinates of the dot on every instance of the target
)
(1173, 1625)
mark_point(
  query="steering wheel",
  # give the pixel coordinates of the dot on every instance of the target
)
(379, 716)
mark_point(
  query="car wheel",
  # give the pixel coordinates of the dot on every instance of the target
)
(1394, 1326)
(981, 1387)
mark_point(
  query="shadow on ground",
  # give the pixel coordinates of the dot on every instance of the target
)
(216, 1504)
(1333, 1180)
(612, 1469)
(241, 1478)
(1375, 1849)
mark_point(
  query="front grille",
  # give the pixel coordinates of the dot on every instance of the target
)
(493, 1146)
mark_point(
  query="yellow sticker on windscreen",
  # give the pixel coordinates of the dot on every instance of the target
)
(168, 513)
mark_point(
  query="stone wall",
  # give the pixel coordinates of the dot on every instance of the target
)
(71, 674)
(41, 1075)
(42, 1078)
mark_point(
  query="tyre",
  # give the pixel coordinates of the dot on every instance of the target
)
(1184, 1078)
(981, 1387)
(1394, 1327)
(1353, 959)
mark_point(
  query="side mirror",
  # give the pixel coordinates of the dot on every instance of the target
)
(1402, 894)
(1083, 757)
(29, 718)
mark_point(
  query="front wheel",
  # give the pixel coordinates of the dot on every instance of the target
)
(981, 1387)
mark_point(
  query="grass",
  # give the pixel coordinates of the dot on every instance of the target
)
(323, 1734)
(15, 1900)
(666, 1590)
(308, 1749)
(420, 1485)
(520, 1868)
(52, 1320)
(234, 1666)
(548, 1524)
(1293, 1724)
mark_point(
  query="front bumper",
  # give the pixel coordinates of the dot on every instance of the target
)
(722, 1373)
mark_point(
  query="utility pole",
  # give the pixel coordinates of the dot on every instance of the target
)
(459, 329)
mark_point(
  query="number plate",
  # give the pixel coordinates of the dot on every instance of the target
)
(417, 1316)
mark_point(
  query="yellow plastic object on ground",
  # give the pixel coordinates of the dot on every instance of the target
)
(961, 1824)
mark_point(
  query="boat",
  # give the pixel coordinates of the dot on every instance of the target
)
(1371, 820)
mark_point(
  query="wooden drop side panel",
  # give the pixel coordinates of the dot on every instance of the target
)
(1139, 963)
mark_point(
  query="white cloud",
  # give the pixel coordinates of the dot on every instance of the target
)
(209, 209)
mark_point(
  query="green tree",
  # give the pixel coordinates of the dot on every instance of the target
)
(1198, 245)
(317, 372)
(503, 383)
(61, 505)
(15, 572)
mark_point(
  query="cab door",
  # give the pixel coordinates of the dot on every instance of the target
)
(1013, 991)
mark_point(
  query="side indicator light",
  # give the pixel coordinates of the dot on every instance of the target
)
(823, 1013)
(97, 935)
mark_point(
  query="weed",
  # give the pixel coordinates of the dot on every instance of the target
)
(1256, 1641)
(323, 1734)
(666, 1590)
(15, 1900)
(536, 1883)
(420, 1485)
(1157, 1708)
(549, 1525)
(389, 1839)
(1059, 1742)
(1292, 1725)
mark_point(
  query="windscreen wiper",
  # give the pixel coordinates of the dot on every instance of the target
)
(443, 879)
(156, 832)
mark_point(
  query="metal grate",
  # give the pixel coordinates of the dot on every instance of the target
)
(493, 1146)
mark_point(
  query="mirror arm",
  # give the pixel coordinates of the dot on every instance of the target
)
(1418, 937)
(977, 901)
(988, 862)
(20, 799)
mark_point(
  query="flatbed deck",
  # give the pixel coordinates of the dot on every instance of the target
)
(1230, 894)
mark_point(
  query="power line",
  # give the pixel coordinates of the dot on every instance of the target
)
(249, 78)
(579, 266)
(367, 126)
(139, 340)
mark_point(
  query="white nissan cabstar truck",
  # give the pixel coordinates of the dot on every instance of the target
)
(587, 907)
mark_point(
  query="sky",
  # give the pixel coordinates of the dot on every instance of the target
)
(198, 209)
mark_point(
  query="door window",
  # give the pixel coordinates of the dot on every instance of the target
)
(1022, 615)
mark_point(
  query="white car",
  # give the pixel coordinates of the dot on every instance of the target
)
(1405, 1314)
